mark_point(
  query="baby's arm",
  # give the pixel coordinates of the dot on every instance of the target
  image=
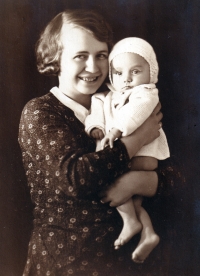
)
(110, 137)
(96, 120)
(144, 163)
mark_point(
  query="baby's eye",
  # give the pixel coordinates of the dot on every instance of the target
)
(102, 56)
(135, 71)
(118, 73)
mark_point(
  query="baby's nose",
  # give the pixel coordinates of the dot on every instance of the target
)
(127, 76)
(127, 79)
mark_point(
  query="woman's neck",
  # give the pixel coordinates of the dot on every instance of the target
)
(84, 100)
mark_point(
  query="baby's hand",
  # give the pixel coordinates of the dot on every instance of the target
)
(97, 133)
(110, 138)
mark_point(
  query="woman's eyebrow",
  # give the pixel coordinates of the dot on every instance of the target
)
(86, 52)
(103, 51)
(82, 52)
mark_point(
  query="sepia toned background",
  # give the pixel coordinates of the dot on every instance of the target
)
(173, 29)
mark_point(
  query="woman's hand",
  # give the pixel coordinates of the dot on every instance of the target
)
(152, 125)
(145, 134)
(132, 183)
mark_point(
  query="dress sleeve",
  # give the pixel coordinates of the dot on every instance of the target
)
(54, 143)
(142, 102)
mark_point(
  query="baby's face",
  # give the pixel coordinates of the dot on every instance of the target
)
(129, 70)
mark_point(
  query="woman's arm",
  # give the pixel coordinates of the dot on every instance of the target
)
(142, 183)
(52, 136)
(136, 182)
(53, 140)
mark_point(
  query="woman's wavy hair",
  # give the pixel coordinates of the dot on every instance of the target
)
(49, 46)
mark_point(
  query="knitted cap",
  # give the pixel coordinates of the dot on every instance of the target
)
(137, 46)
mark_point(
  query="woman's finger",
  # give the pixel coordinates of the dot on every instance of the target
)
(159, 116)
(102, 194)
(103, 143)
(104, 200)
(111, 143)
(157, 108)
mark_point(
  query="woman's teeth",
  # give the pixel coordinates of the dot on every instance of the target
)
(89, 79)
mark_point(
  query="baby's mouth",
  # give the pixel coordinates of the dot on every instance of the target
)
(127, 87)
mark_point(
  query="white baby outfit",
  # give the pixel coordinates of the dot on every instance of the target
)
(141, 101)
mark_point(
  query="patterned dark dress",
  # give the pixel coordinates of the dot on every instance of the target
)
(73, 233)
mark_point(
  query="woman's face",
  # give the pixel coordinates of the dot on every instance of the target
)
(84, 62)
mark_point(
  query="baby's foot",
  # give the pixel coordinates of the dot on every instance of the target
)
(130, 228)
(144, 248)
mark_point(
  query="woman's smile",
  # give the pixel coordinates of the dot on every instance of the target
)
(89, 79)
(84, 63)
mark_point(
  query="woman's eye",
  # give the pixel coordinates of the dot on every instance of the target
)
(118, 73)
(80, 57)
(102, 56)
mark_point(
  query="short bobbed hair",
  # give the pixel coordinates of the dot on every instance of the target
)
(49, 46)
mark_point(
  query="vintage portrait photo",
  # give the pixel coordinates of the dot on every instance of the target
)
(100, 138)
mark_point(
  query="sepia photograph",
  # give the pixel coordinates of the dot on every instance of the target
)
(100, 138)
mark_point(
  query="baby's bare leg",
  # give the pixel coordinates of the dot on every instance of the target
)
(149, 239)
(143, 163)
(131, 224)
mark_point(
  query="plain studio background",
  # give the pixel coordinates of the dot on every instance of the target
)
(173, 28)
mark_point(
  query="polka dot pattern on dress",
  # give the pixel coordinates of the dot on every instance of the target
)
(73, 231)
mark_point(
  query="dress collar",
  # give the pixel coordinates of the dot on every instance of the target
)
(79, 111)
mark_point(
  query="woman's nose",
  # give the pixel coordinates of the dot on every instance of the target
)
(91, 65)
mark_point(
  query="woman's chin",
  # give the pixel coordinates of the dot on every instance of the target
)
(89, 88)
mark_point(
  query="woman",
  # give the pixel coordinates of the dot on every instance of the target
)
(73, 231)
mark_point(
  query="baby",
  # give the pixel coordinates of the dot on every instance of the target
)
(133, 73)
